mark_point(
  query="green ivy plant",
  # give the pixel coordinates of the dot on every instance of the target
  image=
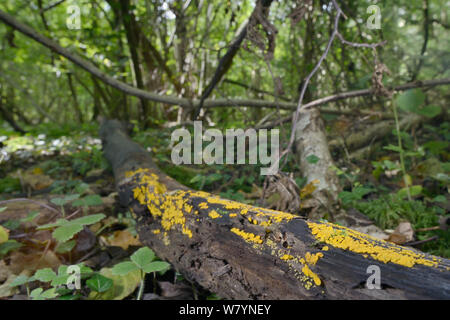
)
(143, 260)
(66, 229)
(58, 283)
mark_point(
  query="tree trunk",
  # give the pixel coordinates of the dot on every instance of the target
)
(316, 164)
(243, 252)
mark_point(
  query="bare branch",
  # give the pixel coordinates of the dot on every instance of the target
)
(183, 102)
(53, 5)
(89, 66)
(360, 45)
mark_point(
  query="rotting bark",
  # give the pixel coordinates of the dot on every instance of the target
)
(244, 252)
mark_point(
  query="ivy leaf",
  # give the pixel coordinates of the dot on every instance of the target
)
(9, 246)
(65, 247)
(45, 275)
(91, 219)
(19, 280)
(88, 201)
(39, 294)
(66, 232)
(60, 279)
(123, 268)
(156, 267)
(67, 229)
(123, 285)
(62, 201)
(58, 223)
(99, 283)
(143, 257)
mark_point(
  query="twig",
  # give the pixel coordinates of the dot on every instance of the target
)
(415, 243)
(167, 99)
(360, 45)
(51, 6)
(429, 229)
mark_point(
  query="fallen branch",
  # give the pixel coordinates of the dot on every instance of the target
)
(375, 132)
(244, 252)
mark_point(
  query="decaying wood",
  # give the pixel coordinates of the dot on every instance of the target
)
(310, 142)
(244, 252)
(375, 132)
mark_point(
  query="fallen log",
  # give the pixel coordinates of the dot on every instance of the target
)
(376, 132)
(243, 252)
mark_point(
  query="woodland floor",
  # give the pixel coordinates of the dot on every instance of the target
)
(45, 177)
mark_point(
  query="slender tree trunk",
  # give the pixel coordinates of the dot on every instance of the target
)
(76, 104)
(129, 22)
(316, 164)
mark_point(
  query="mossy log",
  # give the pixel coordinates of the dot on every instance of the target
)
(243, 252)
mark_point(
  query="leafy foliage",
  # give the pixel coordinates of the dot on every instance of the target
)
(65, 229)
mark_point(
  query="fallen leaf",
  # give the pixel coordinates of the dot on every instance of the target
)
(123, 239)
(32, 261)
(309, 189)
(4, 235)
(402, 234)
(122, 286)
(34, 179)
(6, 278)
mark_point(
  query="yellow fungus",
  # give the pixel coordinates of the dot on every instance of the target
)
(153, 194)
(247, 236)
(307, 272)
(312, 259)
(203, 205)
(214, 215)
(347, 239)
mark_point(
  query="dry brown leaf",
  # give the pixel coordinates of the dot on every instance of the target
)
(123, 239)
(21, 209)
(402, 234)
(6, 277)
(309, 189)
(34, 179)
(32, 261)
